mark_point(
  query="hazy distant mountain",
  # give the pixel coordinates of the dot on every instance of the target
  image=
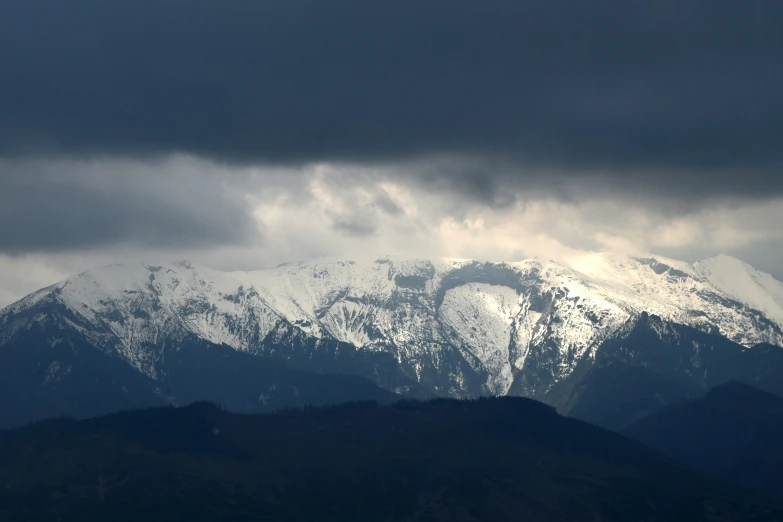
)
(488, 460)
(53, 366)
(734, 432)
(455, 328)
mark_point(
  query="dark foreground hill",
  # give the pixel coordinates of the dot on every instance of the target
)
(485, 460)
(734, 432)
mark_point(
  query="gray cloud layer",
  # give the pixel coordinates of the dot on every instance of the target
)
(65, 205)
(627, 86)
(496, 128)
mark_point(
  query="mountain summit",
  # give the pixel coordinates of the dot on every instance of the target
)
(744, 283)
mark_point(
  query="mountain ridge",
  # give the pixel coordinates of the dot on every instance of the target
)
(650, 363)
(458, 327)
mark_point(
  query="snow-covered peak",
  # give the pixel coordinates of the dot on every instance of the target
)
(629, 271)
(91, 290)
(305, 292)
(492, 315)
(740, 280)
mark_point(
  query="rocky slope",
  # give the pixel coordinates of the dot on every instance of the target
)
(649, 363)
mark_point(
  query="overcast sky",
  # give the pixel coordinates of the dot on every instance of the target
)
(245, 133)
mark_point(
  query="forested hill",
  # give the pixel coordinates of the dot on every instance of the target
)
(483, 460)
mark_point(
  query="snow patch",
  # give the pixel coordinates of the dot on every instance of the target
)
(482, 314)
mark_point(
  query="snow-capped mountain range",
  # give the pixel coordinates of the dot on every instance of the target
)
(457, 327)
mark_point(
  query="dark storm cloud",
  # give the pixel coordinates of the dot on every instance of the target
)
(673, 85)
(49, 207)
